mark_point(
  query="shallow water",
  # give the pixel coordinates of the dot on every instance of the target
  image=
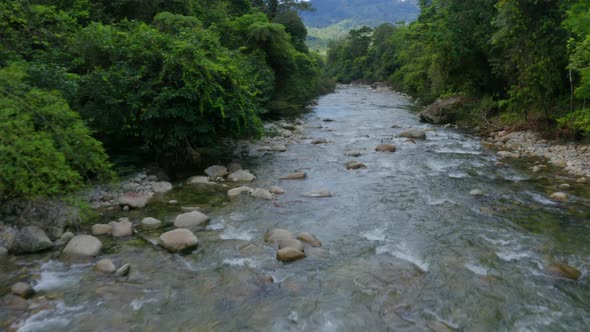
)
(407, 247)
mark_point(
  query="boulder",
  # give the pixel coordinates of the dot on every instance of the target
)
(122, 228)
(150, 223)
(294, 176)
(277, 190)
(161, 187)
(309, 239)
(235, 192)
(241, 176)
(319, 141)
(413, 133)
(562, 270)
(279, 148)
(385, 148)
(102, 229)
(82, 246)
(178, 240)
(105, 266)
(291, 243)
(265, 148)
(23, 290)
(199, 180)
(123, 270)
(32, 239)
(52, 216)
(193, 221)
(351, 165)
(441, 111)
(216, 171)
(289, 254)
(278, 234)
(559, 196)
(66, 237)
(262, 193)
(134, 200)
(318, 194)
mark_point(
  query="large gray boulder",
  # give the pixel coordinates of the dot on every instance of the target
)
(134, 200)
(441, 111)
(216, 171)
(178, 240)
(194, 221)
(32, 239)
(82, 246)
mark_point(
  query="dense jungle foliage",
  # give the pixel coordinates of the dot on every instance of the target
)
(521, 61)
(145, 80)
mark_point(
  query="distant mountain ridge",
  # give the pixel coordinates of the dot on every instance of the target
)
(329, 12)
(332, 19)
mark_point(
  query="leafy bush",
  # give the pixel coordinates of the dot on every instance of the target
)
(45, 148)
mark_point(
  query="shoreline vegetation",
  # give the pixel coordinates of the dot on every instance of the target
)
(514, 64)
(88, 85)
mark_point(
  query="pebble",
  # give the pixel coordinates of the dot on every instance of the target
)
(559, 196)
(294, 176)
(262, 193)
(123, 271)
(319, 141)
(476, 192)
(277, 190)
(172, 202)
(279, 148)
(101, 229)
(309, 239)
(385, 148)
(318, 194)
(289, 254)
(150, 223)
(105, 266)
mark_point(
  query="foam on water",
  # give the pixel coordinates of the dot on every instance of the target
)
(377, 234)
(232, 233)
(401, 251)
(249, 262)
(138, 303)
(479, 270)
(51, 319)
(56, 275)
(512, 255)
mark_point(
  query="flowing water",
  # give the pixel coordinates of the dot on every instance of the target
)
(407, 248)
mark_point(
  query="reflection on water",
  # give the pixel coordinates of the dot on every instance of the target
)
(407, 247)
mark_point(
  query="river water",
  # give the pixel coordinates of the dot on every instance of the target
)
(407, 248)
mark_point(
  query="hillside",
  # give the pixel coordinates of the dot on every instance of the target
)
(332, 19)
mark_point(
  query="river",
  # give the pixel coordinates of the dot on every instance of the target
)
(407, 248)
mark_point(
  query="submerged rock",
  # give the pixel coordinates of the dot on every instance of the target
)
(352, 165)
(318, 194)
(309, 239)
(23, 290)
(294, 176)
(194, 221)
(178, 240)
(289, 254)
(385, 148)
(123, 270)
(562, 270)
(83, 246)
(319, 141)
(507, 154)
(353, 153)
(476, 192)
(32, 239)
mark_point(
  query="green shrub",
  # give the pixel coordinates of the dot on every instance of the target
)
(45, 148)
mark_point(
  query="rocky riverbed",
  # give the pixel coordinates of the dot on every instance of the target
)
(356, 216)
